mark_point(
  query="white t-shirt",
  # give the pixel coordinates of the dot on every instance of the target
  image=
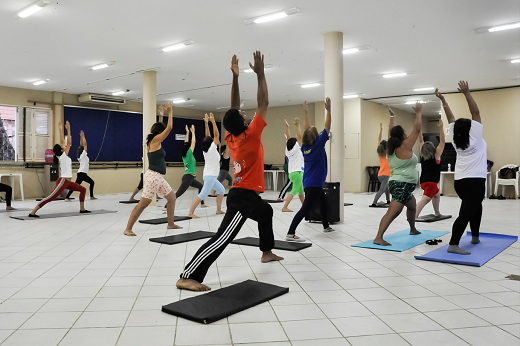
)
(65, 166)
(472, 162)
(295, 157)
(83, 162)
(212, 161)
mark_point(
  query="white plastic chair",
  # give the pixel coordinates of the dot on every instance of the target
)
(505, 182)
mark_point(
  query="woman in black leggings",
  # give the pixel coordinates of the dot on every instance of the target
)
(83, 167)
(470, 169)
(315, 159)
(8, 195)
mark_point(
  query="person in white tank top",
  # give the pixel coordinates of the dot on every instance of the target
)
(83, 167)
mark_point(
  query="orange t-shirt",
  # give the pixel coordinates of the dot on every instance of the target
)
(248, 156)
(384, 167)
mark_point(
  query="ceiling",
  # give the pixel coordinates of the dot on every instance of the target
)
(435, 41)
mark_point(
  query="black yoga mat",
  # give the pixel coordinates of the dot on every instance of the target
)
(272, 200)
(57, 199)
(216, 196)
(161, 220)
(347, 204)
(379, 205)
(182, 238)
(52, 216)
(216, 305)
(433, 218)
(278, 244)
(129, 202)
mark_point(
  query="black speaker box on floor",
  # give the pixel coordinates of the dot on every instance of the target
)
(332, 194)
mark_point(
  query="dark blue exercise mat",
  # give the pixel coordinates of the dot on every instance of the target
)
(161, 220)
(53, 216)
(278, 244)
(129, 202)
(490, 245)
(216, 305)
(182, 238)
(433, 218)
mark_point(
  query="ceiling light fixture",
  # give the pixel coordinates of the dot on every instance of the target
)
(249, 70)
(32, 9)
(40, 82)
(272, 16)
(176, 46)
(424, 89)
(414, 102)
(102, 66)
(350, 96)
(228, 107)
(393, 75)
(117, 93)
(179, 100)
(515, 61)
(310, 85)
(499, 28)
(355, 49)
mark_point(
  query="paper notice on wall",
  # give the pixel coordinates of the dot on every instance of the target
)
(179, 137)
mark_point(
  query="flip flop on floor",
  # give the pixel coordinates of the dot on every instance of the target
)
(431, 242)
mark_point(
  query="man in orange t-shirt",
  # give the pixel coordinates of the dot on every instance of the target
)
(244, 139)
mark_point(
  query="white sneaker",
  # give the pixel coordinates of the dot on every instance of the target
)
(296, 240)
(327, 230)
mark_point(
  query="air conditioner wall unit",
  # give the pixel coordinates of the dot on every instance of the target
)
(100, 98)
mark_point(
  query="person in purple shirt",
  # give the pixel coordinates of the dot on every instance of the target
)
(315, 158)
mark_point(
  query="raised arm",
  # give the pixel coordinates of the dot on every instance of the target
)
(306, 123)
(187, 137)
(473, 108)
(235, 91)
(62, 137)
(262, 96)
(298, 131)
(391, 124)
(192, 147)
(216, 134)
(69, 139)
(421, 139)
(409, 142)
(442, 141)
(380, 133)
(328, 116)
(83, 140)
(206, 126)
(287, 131)
(446, 106)
(162, 136)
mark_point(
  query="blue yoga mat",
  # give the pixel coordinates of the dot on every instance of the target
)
(402, 240)
(490, 245)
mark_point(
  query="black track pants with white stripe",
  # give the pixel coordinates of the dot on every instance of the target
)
(241, 205)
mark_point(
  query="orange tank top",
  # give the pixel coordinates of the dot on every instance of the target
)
(384, 167)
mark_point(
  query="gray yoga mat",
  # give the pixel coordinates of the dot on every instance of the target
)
(161, 220)
(182, 238)
(53, 216)
(14, 211)
(433, 218)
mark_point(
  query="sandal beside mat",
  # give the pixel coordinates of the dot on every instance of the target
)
(129, 202)
(490, 245)
(11, 211)
(52, 216)
(402, 240)
(161, 220)
(433, 218)
(272, 201)
(278, 244)
(182, 238)
(216, 305)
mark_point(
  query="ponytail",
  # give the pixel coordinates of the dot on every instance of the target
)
(395, 140)
(156, 129)
(58, 151)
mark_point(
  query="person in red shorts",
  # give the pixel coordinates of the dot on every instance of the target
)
(244, 139)
(430, 173)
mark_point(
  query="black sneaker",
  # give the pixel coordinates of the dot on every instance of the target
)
(372, 205)
(34, 215)
(84, 211)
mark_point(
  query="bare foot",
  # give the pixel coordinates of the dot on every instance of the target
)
(192, 285)
(67, 200)
(129, 232)
(174, 226)
(381, 242)
(133, 200)
(92, 198)
(269, 256)
(414, 232)
(287, 210)
(418, 219)
(220, 212)
(10, 208)
(193, 216)
(204, 206)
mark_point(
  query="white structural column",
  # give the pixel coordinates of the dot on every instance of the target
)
(334, 90)
(149, 111)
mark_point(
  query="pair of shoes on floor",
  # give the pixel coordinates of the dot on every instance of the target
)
(501, 197)
(433, 241)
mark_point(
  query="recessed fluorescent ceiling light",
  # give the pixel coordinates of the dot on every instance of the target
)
(179, 101)
(504, 27)
(515, 61)
(32, 9)
(248, 70)
(310, 85)
(424, 89)
(176, 46)
(393, 75)
(414, 102)
(40, 82)
(272, 16)
(117, 93)
(355, 49)
(350, 96)
(102, 66)
(224, 107)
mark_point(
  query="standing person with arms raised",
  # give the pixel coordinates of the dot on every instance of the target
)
(293, 151)
(470, 170)
(61, 155)
(430, 172)
(154, 182)
(83, 167)
(403, 179)
(384, 168)
(315, 160)
(244, 140)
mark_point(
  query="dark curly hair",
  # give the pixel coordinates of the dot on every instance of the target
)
(461, 133)
(234, 122)
(396, 139)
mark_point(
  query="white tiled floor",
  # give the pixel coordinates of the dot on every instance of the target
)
(79, 281)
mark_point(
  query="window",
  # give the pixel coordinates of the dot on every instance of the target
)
(37, 137)
(8, 116)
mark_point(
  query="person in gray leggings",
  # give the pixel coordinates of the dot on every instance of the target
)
(384, 168)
